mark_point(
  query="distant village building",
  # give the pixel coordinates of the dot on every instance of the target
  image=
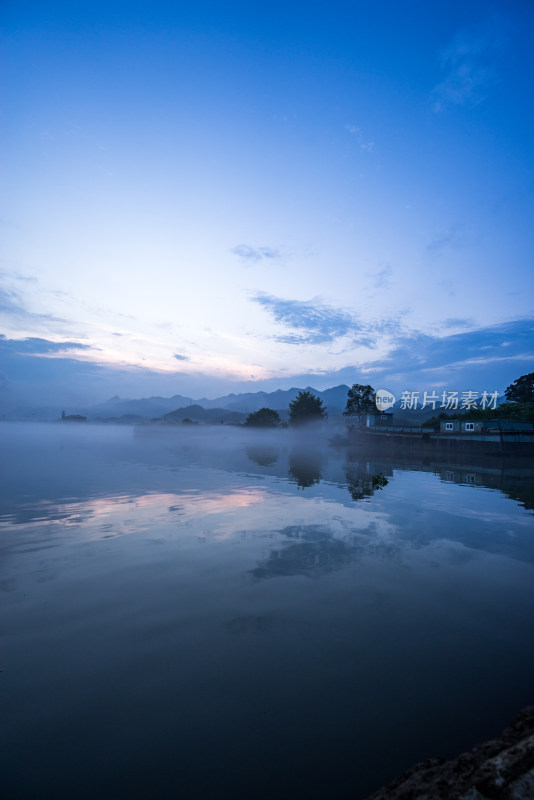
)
(378, 418)
(483, 425)
(72, 417)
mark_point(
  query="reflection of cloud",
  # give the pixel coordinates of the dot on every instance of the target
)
(469, 66)
(315, 550)
(315, 553)
(316, 322)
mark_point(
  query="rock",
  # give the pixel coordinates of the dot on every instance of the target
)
(500, 769)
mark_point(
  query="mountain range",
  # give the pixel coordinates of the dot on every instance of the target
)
(229, 408)
(236, 406)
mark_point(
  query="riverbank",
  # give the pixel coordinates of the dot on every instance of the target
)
(500, 769)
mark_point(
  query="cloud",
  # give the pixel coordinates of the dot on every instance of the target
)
(315, 322)
(457, 322)
(486, 358)
(420, 352)
(180, 357)
(469, 64)
(36, 346)
(356, 132)
(253, 255)
(11, 304)
(382, 277)
(454, 238)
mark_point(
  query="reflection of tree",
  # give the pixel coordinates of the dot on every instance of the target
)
(305, 466)
(363, 481)
(263, 455)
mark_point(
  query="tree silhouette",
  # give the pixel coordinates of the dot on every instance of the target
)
(361, 401)
(521, 390)
(264, 418)
(306, 408)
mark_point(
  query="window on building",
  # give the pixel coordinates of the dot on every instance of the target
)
(470, 426)
(449, 426)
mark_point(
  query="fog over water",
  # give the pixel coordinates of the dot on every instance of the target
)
(195, 611)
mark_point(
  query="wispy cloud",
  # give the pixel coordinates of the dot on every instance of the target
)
(36, 346)
(457, 322)
(252, 255)
(313, 321)
(454, 238)
(180, 357)
(356, 132)
(469, 65)
(417, 352)
(11, 304)
(382, 278)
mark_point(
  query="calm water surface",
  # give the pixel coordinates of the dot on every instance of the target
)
(208, 613)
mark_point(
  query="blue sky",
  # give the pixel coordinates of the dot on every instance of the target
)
(211, 197)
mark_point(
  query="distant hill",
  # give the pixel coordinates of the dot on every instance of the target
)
(199, 414)
(146, 407)
(334, 399)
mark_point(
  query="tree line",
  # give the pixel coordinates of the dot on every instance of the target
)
(307, 408)
(361, 400)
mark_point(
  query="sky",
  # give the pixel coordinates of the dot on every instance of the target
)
(211, 197)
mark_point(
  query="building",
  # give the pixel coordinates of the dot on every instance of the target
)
(483, 425)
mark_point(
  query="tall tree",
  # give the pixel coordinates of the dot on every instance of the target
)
(264, 418)
(361, 401)
(306, 407)
(521, 390)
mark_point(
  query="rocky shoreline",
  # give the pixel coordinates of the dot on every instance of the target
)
(500, 769)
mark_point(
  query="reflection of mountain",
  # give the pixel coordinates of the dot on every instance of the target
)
(305, 467)
(262, 455)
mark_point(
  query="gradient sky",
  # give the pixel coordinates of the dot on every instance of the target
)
(203, 197)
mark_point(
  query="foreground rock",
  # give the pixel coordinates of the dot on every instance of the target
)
(501, 769)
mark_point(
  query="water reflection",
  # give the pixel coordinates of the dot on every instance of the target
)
(312, 551)
(514, 480)
(306, 466)
(165, 585)
(363, 479)
(262, 455)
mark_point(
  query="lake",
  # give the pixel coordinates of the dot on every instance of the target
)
(206, 612)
